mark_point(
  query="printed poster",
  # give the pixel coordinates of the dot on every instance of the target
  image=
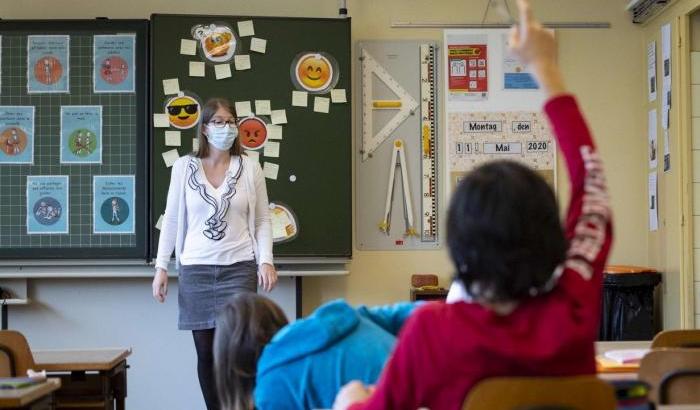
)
(653, 203)
(48, 66)
(515, 74)
(16, 135)
(0, 64)
(113, 63)
(468, 70)
(81, 134)
(47, 204)
(113, 204)
(653, 140)
(651, 70)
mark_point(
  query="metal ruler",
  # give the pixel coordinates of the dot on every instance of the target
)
(428, 105)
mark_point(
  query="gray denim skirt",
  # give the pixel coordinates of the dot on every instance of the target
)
(203, 291)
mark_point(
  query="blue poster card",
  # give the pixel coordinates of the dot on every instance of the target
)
(16, 135)
(47, 204)
(48, 64)
(81, 134)
(113, 63)
(113, 204)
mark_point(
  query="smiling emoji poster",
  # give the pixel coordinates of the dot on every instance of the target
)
(314, 72)
(183, 111)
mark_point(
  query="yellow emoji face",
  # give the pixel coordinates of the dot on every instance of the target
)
(183, 111)
(314, 72)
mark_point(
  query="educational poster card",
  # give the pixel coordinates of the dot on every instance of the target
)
(48, 67)
(81, 134)
(666, 81)
(16, 135)
(651, 70)
(667, 152)
(113, 63)
(653, 202)
(516, 76)
(468, 70)
(47, 204)
(113, 204)
(653, 140)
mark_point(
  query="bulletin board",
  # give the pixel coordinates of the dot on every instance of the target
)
(73, 135)
(311, 159)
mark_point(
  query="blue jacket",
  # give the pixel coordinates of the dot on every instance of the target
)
(308, 361)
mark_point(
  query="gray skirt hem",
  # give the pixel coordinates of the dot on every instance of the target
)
(209, 324)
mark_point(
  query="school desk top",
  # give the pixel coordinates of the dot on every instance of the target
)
(11, 398)
(607, 366)
(79, 359)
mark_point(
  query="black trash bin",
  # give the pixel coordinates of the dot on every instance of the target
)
(628, 303)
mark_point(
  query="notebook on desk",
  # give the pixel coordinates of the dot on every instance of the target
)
(17, 382)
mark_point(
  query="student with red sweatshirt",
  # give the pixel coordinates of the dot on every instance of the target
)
(534, 286)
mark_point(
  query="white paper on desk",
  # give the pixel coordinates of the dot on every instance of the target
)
(626, 356)
(171, 86)
(274, 132)
(173, 138)
(159, 224)
(254, 155)
(322, 104)
(222, 71)
(242, 62)
(270, 170)
(245, 28)
(196, 69)
(653, 147)
(170, 157)
(651, 70)
(279, 117)
(243, 109)
(258, 45)
(188, 47)
(338, 96)
(195, 144)
(272, 149)
(653, 202)
(161, 120)
(300, 99)
(262, 107)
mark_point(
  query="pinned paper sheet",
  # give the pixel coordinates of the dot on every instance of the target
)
(170, 157)
(272, 149)
(172, 138)
(161, 121)
(274, 132)
(338, 96)
(254, 155)
(242, 62)
(188, 47)
(271, 170)
(300, 98)
(262, 107)
(222, 71)
(195, 144)
(279, 117)
(322, 104)
(245, 28)
(258, 45)
(171, 86)
(159, 224)
(243, 109)
(196, 69)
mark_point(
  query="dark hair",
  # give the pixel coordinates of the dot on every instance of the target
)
(504, 234)
(208, 110)
(243, 328)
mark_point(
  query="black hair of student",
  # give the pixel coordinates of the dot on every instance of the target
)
(245, 325)
(504, 233)
(208, 110)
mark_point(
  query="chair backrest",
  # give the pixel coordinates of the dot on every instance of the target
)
(570, 393)
(15, 354)
(674, 375)
(677, 338)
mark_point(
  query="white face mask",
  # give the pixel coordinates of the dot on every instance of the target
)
(222, 138)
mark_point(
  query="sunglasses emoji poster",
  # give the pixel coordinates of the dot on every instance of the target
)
(183, 111)
(217, 41)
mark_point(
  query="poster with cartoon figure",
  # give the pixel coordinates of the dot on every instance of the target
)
(47, 204)
(113, 204)
(113, 63)
(48, 65)
(16, 135)
(81, 134)
(217, 41)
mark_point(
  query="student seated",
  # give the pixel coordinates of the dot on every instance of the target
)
(262, 362)
(534, 287)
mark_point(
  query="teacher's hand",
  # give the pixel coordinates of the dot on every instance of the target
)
(267, 276)
(160, 285)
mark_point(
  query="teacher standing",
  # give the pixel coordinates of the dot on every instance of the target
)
(217, 220)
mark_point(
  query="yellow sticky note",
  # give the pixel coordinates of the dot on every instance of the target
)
(258, 45)
(338, 96)
(300, 98)
(173, 138)
(242, 62)
(188, 47)
(170, 157)
(243, 109)
(279, 116)
(274, 132)
(322, 104)
(262, 107)
(171, 86)
(272, 149)
(161, 121)
(222, 71)
(159, 224)
(245, 28)
(196, 69)
(271, 170)
(254, 155)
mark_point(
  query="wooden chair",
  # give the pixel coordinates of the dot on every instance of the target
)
(677, 338)
(16, 356)
(570, 393)
(674, 375)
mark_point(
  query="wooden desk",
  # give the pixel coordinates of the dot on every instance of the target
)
(36, 396)
(607, 370)
(101, 388)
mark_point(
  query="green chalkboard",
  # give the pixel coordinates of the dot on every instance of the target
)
(314, 177)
